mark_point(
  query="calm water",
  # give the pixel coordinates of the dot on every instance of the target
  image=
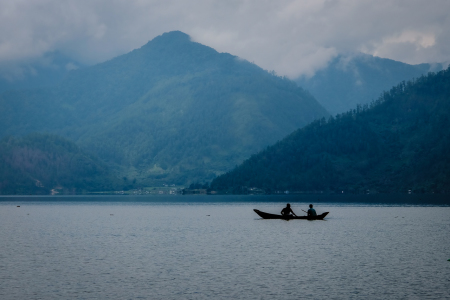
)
(141, 248)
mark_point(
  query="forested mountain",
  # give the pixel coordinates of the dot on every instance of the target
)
(353, 79)
(398, 143)
(44, 164)
(173, 111)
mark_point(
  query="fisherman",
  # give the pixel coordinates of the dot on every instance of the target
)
(287, 211)
(311, 211)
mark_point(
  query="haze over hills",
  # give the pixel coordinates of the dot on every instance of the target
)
(44, 72)
(171, 111)
(176, 111)
(352, 79)
(397, 144)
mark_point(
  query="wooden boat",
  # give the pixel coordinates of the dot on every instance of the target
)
(265, 215)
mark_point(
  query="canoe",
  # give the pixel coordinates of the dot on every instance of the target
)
(265, 215)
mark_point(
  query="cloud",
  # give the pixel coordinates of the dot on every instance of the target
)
(292, 37)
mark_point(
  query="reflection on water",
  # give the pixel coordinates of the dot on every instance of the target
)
(154, 250)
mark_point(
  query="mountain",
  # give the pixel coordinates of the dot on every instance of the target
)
(44, 164)
(397, 143)
(171, 111)
(46, 71)
(359, 78)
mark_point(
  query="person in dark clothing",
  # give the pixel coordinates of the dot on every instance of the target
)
(287, 211)
(311, 211)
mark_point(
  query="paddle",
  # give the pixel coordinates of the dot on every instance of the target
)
(307, 214)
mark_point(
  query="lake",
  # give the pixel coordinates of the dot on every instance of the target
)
(216, 247)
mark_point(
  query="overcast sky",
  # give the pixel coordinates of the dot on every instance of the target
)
(292, 37)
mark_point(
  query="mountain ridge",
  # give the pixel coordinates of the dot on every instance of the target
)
(397, 144)
(356, 78)
(173, 110)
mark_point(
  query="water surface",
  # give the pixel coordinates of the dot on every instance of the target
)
(160, 248)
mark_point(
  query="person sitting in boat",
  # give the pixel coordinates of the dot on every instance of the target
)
(311, 211)
(287, 211)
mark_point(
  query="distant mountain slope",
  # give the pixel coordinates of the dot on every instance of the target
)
(40, 163)
(358, 79)
(400, 143)
(173, 110)
(43, 72)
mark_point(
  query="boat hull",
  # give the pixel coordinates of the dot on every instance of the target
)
(265, 215)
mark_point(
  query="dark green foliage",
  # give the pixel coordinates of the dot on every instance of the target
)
(398, 143)
(172, 111)
(198, 185)
(358, 79)
(38, 163)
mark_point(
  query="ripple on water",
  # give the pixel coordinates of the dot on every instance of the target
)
(147, 250)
